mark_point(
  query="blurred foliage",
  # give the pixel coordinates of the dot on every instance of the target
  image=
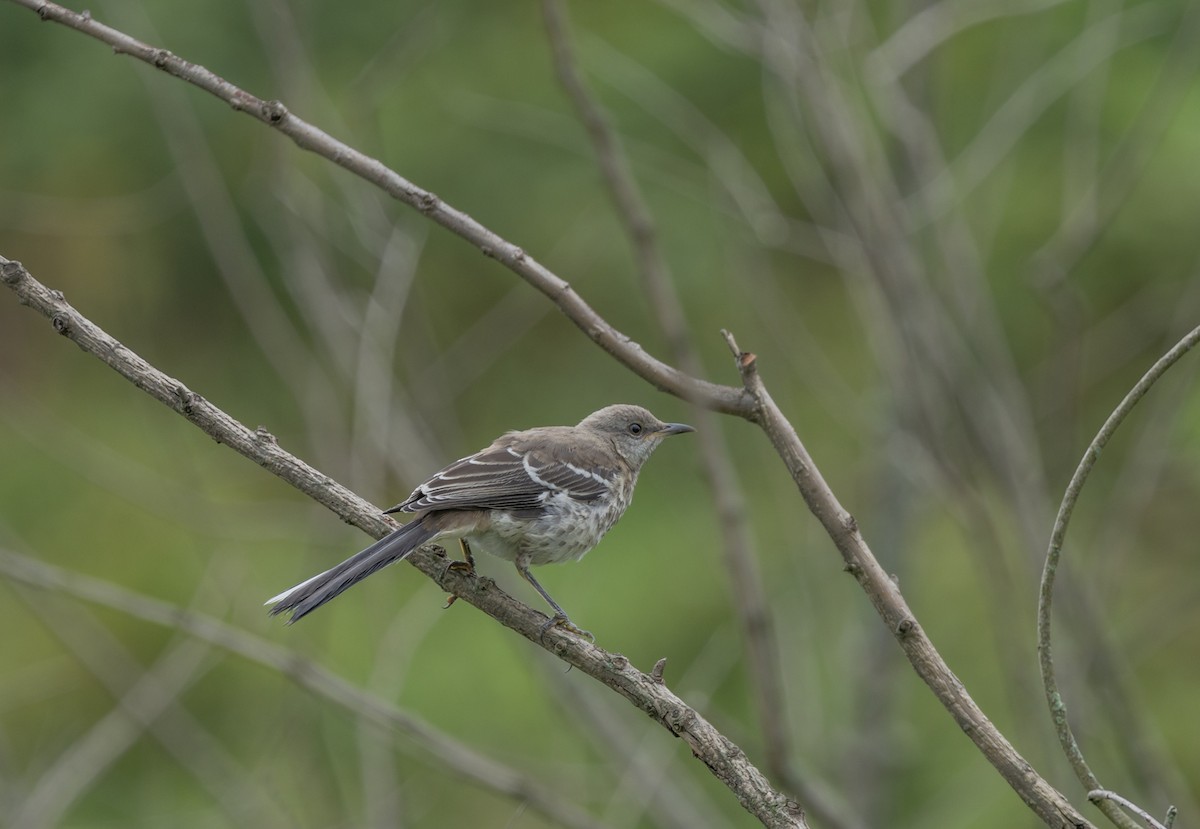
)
(166, 219)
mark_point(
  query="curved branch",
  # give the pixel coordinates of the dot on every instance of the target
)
(1058, 708)
(666, 378)
(723, 758)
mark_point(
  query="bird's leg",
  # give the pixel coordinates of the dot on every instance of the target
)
(560, 618)
(467, 565)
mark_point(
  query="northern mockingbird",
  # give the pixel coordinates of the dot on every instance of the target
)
(534, 497)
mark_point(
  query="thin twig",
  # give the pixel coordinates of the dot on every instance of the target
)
(1102, 796)
(1058, 708)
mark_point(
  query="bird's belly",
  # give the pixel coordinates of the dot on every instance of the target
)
(562, 532)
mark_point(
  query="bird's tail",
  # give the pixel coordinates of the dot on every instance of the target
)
(307, 596)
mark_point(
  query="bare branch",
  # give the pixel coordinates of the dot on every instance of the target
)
(1058, 708)
(308, 137)
(1050, 805)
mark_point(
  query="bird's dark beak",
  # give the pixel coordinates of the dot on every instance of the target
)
(675, 429)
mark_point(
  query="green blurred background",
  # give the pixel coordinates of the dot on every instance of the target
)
(1038, 163)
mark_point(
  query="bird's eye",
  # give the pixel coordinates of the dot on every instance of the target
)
(635, 428)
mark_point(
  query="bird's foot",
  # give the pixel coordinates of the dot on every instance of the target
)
(466, 567)
(560, 620)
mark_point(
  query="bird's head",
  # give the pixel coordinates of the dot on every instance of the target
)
(633, 430)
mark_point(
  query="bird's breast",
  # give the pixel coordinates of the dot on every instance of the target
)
(563, 529)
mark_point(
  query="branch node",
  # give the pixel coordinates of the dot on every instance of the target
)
(43, 12)
(62, 323)
(850, 523)
(906, 626)
(619, 662)
(161, 58)
(274, 111)
(853, 568)
(12, 272)
(427, 203)
(746, 360)
(263, 436)
(187, 399)
(656, 673)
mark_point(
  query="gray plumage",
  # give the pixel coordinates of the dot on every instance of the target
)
(533, 497)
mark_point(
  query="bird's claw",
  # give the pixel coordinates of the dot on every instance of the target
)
(561, 621)
(466, 566)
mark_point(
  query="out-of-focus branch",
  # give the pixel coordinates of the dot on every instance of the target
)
(458, 758)
(87, 759)
(995, 139)
(725, 399)
(725, 759)
(1058, 708)
(937, 23)
(749, 597)
(147, 705)
(646, 782)
(1049, 804)
(1096, 208)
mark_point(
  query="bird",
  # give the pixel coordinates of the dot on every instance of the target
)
(532, 497)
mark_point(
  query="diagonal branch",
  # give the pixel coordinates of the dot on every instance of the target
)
(725, 399)
(1049, 804)
(725, 759)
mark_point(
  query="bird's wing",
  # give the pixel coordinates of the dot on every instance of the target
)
(508, 476)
